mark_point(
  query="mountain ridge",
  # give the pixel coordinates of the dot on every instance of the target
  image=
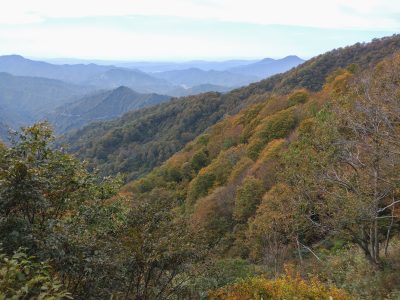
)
(135, 156)
(25, 99)
(103, 105)
(195, 76)
(267, 66)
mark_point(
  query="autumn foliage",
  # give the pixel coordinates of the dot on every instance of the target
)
(284, 287)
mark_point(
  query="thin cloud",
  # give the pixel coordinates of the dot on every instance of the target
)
(372, 14)
(187, 29)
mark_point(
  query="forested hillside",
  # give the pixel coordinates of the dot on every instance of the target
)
(293, 197)
(309, 179)
(138, 141)
(26, 99)
(141, 139)
(104, 105)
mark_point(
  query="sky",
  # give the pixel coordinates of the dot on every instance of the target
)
(179, 30)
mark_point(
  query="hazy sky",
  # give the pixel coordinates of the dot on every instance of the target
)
(190, 29)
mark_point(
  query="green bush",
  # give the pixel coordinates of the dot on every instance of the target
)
(23, 278)
(221, 273)
(348, 269)
(298, 97)
(199, 160)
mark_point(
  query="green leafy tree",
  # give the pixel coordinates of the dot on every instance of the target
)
(344, 167)
(51, 205)
(247, 199)
(199, 160)
(21, 277)
(160, 251)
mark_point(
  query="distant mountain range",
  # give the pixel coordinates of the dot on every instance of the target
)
(230, 74)
(20, 66)
(93, 75)
(194, 76)
(268, 66)
(31, 90)
(259, 68)
(103, 105)
(199, 89)
(161, 66)
(135, 79)
(25, 99)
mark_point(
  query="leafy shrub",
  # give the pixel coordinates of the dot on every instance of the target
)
(285, 287)
(203, 139)
(23, 278)
(199, 160)
(223, 272)
(298, 97)
(348, 269)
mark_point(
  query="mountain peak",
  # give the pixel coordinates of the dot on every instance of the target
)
(292, 57)
(122, 90)
(12, 57)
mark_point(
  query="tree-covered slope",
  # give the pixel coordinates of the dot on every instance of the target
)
(24, 99)
(104, 105)
(36, 94)
(138, 141)
(312, 73)
(142, 139)
(308, 179)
